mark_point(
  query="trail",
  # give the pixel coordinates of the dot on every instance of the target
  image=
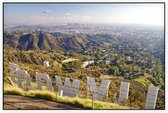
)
(20, 102)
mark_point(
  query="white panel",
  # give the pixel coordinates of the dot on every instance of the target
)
(68, 89)
(58, 80)
(46, 77)
(103, 88)
(67, 82)
(23, 74)
(99, 92)
(151, 97)
(59, 83)
(75, 87)
(92, 84)
(13, 68)
(124, 90)
(76, 83)
(93, 89)
(91, 81)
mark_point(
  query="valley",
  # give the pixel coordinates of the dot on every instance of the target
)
(135, 55)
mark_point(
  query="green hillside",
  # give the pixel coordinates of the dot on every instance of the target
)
(32, 62)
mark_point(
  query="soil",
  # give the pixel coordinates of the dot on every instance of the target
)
(12, 102)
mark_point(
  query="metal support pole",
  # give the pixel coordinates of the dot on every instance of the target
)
(61, 93)
(107, 96)
(56, 96)
(87, 92)
(92, 101)
(24, 86)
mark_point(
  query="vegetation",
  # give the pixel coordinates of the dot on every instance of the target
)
(78, 102)
(72, 66)
(145, 81)
(131, 59)
(138, 90)
(13, 90)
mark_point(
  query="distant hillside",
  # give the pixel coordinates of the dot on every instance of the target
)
(39, 40)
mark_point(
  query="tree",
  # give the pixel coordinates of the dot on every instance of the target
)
(112, 71)
(117, 70)
(97, 56)
(72, 66)
(127, 76)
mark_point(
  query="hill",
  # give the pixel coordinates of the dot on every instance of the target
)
(29, 49)
(39, 40)
(138, 91)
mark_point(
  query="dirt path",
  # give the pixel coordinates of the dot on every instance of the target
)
(69, 60)
(21, 102)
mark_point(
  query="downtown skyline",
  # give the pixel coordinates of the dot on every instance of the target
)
(34, 14)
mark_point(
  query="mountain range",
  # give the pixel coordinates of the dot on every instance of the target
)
(39, 40)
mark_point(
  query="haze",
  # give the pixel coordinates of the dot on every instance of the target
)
(146, 14)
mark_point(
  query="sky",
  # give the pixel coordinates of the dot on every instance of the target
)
(33, 14)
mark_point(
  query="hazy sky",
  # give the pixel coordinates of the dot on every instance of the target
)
(148, 14)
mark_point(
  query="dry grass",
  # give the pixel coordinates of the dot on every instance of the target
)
(13, 90)
(106, 105)
(144, 81)
(78, 102)
(42, 94)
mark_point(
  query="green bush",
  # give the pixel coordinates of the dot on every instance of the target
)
(72, 66)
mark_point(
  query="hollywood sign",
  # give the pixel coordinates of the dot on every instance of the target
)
(72, 90)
